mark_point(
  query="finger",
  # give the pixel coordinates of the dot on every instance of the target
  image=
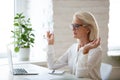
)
(94, 41)
(48, 34)
(98, 41)
(51, 36)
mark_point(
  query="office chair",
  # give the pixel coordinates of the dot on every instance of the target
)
(105, 71)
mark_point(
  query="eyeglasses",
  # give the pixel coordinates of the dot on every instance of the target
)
(75, 26)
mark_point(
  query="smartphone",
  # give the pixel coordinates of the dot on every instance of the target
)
(56, 72)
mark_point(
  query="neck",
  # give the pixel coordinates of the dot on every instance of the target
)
(83, 42)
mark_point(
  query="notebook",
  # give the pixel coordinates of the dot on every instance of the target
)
(19, 69)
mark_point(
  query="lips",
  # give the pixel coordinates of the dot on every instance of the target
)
(75, 33)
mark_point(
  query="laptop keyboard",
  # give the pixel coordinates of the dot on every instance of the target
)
(20, 71)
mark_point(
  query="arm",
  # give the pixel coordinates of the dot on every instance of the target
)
(53, 62)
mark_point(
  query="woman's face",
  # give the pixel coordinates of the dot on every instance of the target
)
(79, 29)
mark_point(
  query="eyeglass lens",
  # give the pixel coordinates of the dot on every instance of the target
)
(75, 26)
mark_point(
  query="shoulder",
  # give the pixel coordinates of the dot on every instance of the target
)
(72, 48)
(74, 45)
(96, 51)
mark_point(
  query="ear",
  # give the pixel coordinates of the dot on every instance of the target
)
(88, 30)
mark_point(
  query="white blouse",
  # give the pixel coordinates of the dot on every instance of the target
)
(87, 66)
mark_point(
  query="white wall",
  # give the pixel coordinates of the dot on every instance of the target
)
(63, 12)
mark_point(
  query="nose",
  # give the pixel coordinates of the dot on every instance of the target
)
(73, 28)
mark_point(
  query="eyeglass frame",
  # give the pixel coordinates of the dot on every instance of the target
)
(76, 26)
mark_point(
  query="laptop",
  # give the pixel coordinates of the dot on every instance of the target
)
(19, 69)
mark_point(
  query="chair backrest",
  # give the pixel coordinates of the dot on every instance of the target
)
(105, 71)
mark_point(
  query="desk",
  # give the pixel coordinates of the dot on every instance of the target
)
(43, 74)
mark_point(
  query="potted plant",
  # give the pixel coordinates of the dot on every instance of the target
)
(23, 36)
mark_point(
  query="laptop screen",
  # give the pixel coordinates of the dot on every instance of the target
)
(10, 63)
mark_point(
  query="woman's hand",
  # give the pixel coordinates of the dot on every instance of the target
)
(50, 38)
(91, 45)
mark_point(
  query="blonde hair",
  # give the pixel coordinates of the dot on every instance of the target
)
(88, 19)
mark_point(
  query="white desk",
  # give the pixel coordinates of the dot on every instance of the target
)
(43, 75)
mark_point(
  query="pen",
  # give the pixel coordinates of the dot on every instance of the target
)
(53, 71)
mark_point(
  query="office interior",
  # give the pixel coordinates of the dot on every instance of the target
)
(63, 11)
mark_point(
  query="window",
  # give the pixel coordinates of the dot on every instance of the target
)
(40, 12)
(114, 29)
(6, 24)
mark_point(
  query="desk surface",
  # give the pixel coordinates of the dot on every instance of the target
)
(43, 75)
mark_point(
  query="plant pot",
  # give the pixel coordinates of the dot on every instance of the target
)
(24, 54)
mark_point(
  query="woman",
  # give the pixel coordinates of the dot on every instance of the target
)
(83, 57)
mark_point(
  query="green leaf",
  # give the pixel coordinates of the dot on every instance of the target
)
(16, 49)
(16, 24)
(16, 17)
(22, 32)
(33, 35)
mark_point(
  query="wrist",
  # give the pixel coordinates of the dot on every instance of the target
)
(85, 50)
(50, 43)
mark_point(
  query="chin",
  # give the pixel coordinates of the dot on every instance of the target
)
(74, 36)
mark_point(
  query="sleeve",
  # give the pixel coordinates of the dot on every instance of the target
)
(87, 62)
(53, 62)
